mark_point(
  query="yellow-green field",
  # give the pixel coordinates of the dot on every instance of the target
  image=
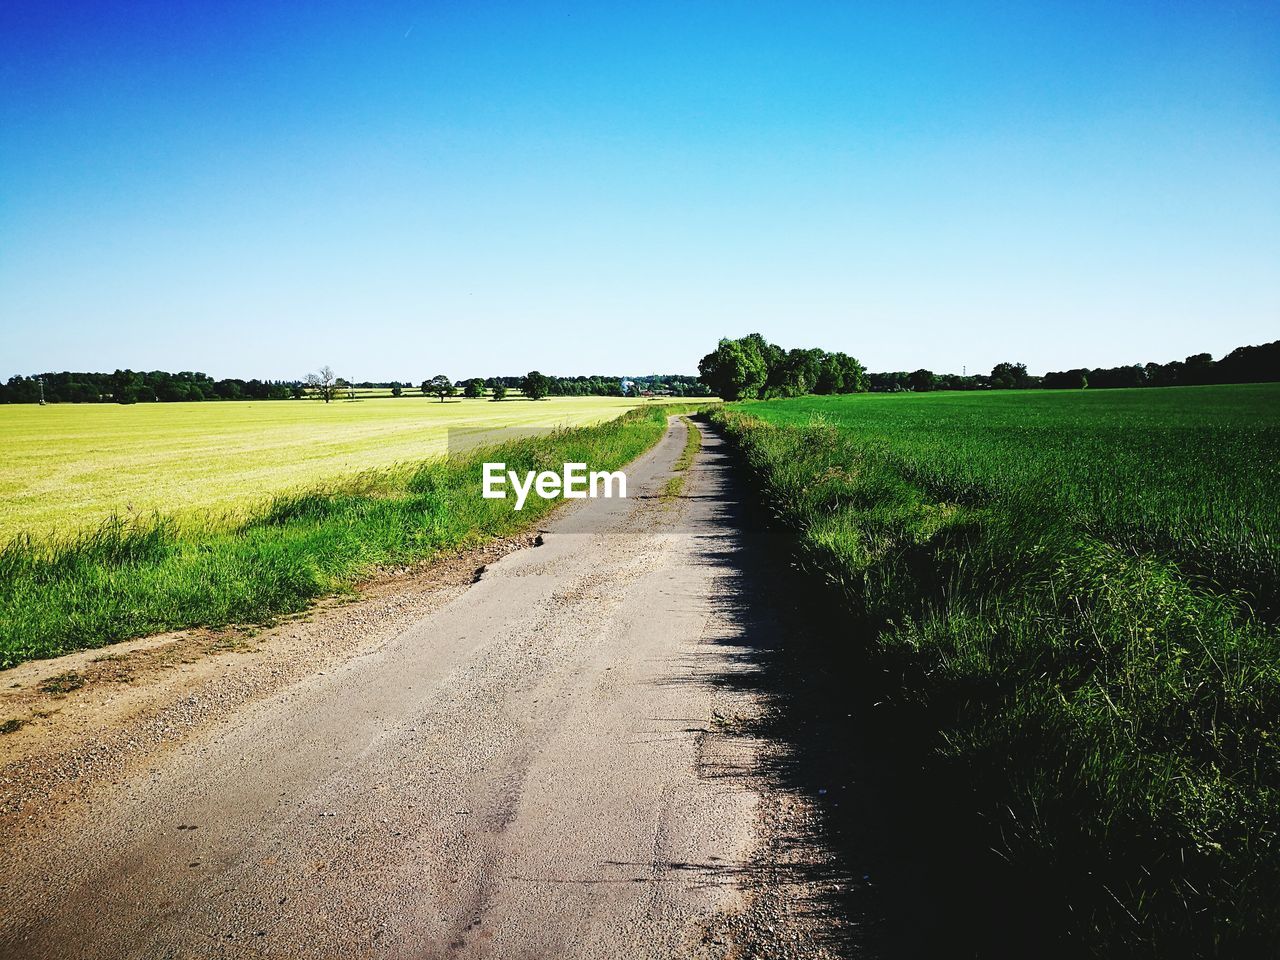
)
(70, 465)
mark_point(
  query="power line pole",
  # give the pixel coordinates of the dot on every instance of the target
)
(40, 380)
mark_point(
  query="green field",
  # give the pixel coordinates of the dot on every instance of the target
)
(1067, 602)
(69, 466)
(1192, 473)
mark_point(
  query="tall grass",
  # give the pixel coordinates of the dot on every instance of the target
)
(1108, 702)
(130, 578)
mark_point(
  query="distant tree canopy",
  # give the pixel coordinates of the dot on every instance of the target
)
(751, 367)
(603, 385)
(1252, 364)
(1010, 376)
(474, 388)
(129, 386)
(923, 380)
(499, 391)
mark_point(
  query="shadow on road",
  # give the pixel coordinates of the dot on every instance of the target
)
(897, 892)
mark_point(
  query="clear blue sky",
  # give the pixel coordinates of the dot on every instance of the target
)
(401, 189)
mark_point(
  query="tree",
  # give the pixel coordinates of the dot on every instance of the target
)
(128, 387)
(1076, 379)
(1198, 369)
(1010, 376)
(922, 380)
(323, 383)
(440, 386)
(474, 389)
(229, 389)
(830, 375)
(1253, 364)
(852, 376)
(499, 391)
(798, 373)
(735, 370)
(396, 390)
(536, 385)
(771, 355)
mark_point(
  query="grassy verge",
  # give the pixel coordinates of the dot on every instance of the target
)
(692, 443)
(1100, 717)
(130, 579)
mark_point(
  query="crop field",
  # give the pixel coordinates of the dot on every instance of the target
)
(1066, 602)
(131, 577)
(1192, 473)
(69, 466)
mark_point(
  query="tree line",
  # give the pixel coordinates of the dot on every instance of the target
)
(746, 368)
(752, 368)
(602, 385)
(131, 386)
(536, 385)
(1250, 364)
(134, 386)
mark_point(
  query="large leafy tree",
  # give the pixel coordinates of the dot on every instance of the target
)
(853, 376)
(830, 375)
(774, 357)
(535, 385)
(1010, 376)
(752, 367)
(735, 370)
(439, 386)
(800, 373)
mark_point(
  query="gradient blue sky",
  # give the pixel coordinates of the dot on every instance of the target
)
(398, 189)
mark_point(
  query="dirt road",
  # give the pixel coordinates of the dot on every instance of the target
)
(550, 763)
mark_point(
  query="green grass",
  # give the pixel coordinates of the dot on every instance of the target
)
(1068, 601)
(692, 444)
(71, 466)
(674, 487)
(129, 578)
